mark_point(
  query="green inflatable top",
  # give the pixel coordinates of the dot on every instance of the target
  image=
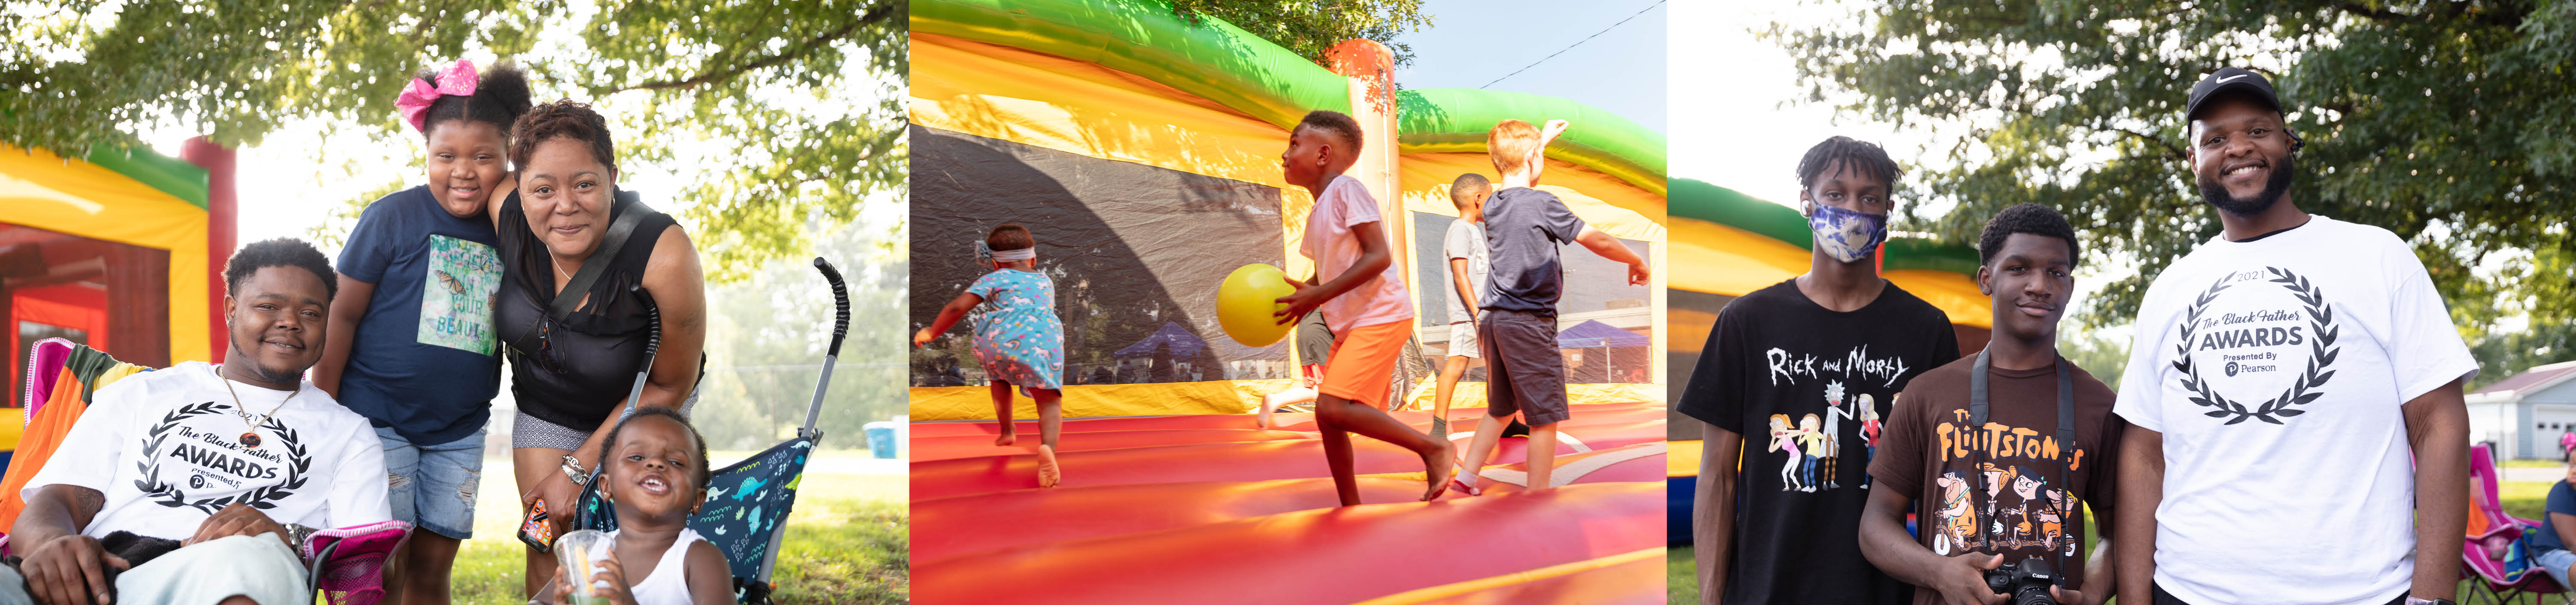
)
(1697, 199)
(1220, 62)
(171, 175)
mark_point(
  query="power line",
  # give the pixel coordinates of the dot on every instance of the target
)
(1575, 44)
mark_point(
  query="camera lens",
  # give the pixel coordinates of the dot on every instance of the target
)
(2033, 595)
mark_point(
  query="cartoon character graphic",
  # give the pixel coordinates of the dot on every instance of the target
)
(2052, 522)
(1834, 414)
(2026, 485)
(1813, 440)
(1785, 440)
(1996, 478)
(1958, 520)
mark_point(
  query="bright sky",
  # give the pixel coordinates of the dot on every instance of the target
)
(1469, 44)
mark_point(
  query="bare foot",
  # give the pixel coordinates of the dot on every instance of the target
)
(1262, 420)
(1048, 473)
(1008, 437)
(1439, 466)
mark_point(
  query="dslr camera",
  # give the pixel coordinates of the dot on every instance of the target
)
(2026, 582)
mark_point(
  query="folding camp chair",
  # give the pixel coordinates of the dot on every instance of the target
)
(2499, 579)
(749, 500)
(345, 564)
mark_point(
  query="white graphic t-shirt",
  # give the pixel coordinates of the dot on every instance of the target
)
(166, 448)
(2275, 369)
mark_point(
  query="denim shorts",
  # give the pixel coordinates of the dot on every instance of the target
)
(2554, 561)
(433, 485)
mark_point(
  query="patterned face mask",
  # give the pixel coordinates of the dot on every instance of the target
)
(1846, 234)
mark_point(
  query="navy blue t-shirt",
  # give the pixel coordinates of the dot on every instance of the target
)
(2562, 500)
(426, 359)
(1523, 228)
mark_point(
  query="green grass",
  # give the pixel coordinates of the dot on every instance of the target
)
(2532, 463)
(847, 542)
(2524, 499)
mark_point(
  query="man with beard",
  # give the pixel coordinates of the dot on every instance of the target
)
(237, 460)
(2283, 375)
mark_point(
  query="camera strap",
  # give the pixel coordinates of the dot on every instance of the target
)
(1977, 408)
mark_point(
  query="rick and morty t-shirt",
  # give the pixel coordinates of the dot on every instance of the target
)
(166, 449)
(1809, 389)
(2275, 369)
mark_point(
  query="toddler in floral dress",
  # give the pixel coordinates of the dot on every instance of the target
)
(1019, 340)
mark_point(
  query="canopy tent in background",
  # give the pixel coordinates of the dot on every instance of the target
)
(1061, 91)
(1597, 352)
(120, 250)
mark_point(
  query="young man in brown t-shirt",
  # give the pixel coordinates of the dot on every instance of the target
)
(2012, 488)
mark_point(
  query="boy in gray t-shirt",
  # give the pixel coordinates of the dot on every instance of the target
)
(1517, 322)
(1465, 250)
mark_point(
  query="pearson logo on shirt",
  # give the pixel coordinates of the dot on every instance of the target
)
(2267, 336)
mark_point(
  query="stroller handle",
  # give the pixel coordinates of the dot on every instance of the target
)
(840, 301)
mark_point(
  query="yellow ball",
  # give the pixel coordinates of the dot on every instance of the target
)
(1245, 304)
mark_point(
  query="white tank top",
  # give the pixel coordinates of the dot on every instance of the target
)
(669, 583)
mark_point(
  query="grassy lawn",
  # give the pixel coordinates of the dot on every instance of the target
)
(2521, 499)
(846, 541)
(2532, 463)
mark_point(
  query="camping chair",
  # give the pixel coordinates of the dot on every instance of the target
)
(748, 501)
(345, 564)
(2498, 579)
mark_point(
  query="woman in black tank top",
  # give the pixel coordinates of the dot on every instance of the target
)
(571, 374)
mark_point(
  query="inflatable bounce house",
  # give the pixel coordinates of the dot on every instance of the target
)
(116, 250)
(1141, 148)
(1729, 244)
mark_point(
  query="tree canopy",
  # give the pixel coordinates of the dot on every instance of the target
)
(1310, 28)
(788, 112)
(2450, 123)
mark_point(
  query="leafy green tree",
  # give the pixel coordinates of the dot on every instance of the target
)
(787, 112)
(1310, 27)
(2451, 123)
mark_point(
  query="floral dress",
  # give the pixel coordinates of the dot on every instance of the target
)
(1020, 341)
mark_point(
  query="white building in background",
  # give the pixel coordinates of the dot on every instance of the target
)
(2527, 414)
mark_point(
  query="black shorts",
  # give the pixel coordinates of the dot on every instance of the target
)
(1526, 372)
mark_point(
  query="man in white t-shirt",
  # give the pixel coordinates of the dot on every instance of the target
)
(236, 460)
(1464, 247)
(2293, 395)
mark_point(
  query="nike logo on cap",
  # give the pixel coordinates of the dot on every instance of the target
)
(2225, 79)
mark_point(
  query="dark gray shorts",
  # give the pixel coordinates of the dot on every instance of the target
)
(1526, 373)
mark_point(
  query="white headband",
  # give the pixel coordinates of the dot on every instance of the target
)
(1015, 255)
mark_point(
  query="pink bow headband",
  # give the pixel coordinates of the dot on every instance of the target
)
(414, 101)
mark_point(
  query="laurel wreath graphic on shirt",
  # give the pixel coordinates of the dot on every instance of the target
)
(2321, 356)
(263, 498)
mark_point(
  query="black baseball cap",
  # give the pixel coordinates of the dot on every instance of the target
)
(2230, 79)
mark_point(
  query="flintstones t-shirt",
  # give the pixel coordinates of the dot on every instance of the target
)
(1807, 387)
(2034, 488)
(165, 448)
(2276, 369)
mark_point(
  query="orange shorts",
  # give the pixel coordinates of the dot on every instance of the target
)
(1362, 360)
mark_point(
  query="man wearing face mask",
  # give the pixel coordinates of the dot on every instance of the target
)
(2294, 401)
(1825, 349)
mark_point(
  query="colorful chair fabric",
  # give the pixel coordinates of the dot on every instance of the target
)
(2492, 578)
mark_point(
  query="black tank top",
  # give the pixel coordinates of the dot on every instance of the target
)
(576, 372)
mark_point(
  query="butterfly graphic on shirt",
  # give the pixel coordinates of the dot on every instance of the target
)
(454, 286)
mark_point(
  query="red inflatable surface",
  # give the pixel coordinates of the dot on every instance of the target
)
(1205, 508)
(1347, 554)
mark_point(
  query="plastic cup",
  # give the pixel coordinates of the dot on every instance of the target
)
(575, 552)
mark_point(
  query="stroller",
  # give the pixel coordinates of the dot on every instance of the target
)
(748, 501)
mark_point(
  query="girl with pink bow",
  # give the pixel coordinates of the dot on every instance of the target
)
(420, 356)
